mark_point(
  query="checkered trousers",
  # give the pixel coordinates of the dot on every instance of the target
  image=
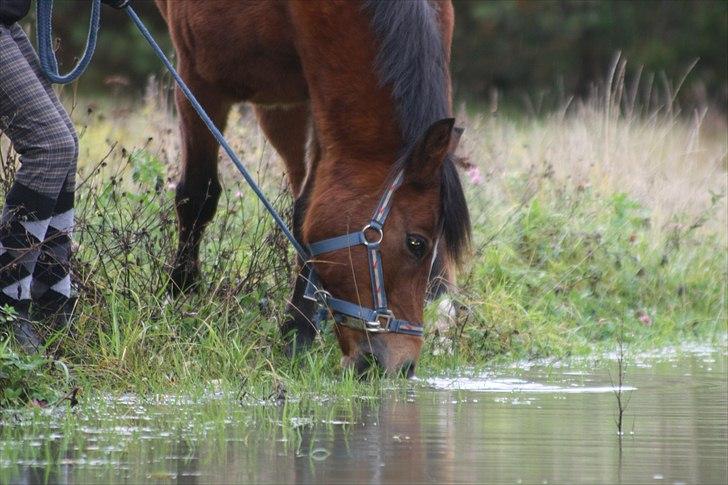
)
(33, 118)
(37, 217)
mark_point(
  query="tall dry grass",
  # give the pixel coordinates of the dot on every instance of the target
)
(626, 138)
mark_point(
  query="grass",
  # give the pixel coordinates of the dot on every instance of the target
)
(595, 218)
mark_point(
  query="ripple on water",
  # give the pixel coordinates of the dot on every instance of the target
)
(489, 384)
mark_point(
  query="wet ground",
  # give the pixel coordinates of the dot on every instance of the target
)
(526, 423)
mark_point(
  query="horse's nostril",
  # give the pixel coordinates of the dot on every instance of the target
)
(368, 365)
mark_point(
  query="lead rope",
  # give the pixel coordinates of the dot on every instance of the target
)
(216, 132)
(46, 53)
(49, 65)
(326, 304)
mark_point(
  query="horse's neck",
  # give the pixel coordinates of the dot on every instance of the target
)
(355, 117)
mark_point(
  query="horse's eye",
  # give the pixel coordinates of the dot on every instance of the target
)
(417, 245)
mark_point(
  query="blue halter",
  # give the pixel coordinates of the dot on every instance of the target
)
(379, 318)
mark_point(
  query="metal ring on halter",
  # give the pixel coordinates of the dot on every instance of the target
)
(381, 325)
(379, 230)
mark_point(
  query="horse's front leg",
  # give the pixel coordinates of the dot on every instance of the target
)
(198, 189)
(299, 329)
(290, 130)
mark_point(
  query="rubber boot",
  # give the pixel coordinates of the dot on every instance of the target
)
(54, 312)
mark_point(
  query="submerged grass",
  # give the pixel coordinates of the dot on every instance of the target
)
(586, 221)
(159, 430)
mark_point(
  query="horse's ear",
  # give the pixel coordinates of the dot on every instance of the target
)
(430, 152)
(457, 133)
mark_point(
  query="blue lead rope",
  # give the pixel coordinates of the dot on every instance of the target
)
(46, 53)
(370, 319)
(216, 132)
(49, 64)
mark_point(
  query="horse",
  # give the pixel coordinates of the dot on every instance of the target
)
(351, 94)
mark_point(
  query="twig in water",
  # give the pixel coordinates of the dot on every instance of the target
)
(618, 392)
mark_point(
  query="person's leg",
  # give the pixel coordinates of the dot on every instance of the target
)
(51, 282)
(47, 150)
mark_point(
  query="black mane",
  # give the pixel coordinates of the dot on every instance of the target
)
(412, 61)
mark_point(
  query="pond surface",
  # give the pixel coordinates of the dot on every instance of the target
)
(545, 423)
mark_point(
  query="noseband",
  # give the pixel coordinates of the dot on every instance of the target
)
(379, 318)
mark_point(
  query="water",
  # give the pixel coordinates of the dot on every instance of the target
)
(520, 424)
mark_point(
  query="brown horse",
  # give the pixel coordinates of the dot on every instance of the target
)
(346, 92)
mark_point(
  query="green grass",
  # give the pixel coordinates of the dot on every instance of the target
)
(567, 256)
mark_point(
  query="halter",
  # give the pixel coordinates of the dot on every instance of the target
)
(379, 318)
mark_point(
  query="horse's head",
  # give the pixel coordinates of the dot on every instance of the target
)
(426, 210)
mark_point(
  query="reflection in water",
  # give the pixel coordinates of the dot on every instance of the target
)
(527, 424)
(386, 445)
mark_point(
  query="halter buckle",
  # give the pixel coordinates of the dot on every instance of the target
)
(381, 324)
(378, 230)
